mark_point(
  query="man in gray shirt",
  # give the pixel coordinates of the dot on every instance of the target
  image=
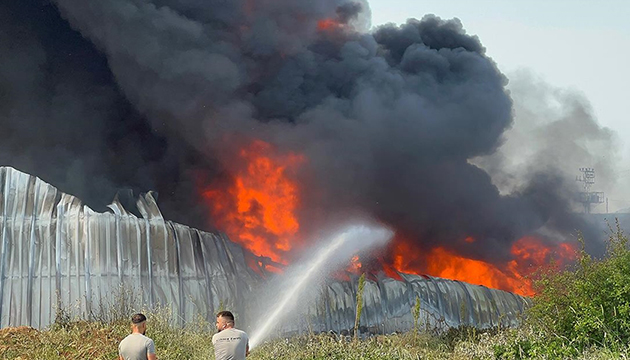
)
(229, 343)
(137, 346)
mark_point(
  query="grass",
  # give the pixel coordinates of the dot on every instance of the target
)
(98, 340)
(581, 313)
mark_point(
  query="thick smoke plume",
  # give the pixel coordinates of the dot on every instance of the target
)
(556, 130)
(99, 95)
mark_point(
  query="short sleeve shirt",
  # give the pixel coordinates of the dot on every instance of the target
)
(136, 347)
(230, 344)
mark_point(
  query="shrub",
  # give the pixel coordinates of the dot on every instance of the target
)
(588, 305)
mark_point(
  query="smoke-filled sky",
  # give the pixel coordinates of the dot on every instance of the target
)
(582, 47)
(411, 124)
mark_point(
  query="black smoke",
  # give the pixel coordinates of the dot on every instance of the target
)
(100, 95)
(64, 119)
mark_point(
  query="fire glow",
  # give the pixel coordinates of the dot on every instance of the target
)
(528, 255)
(328, 24)
(258, 209)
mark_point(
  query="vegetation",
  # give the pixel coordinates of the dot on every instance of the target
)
(587, 306)
(359, 308)
(99, 340)
(94, 340)
(416, 314)
(579, 313)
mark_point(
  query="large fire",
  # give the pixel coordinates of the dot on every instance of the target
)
(528, 255)
(258, 209)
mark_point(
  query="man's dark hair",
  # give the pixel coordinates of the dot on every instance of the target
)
(138, 318)
(226, 314)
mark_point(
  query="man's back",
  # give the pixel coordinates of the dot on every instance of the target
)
(230, 344)
(136, 347)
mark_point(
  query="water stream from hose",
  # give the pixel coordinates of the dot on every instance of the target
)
(328, 258)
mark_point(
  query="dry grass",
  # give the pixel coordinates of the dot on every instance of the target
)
(81, 340)
(97, 340)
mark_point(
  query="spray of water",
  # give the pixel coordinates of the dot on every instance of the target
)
(326, 260)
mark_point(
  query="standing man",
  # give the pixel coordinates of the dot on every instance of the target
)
(229, 343)
(137, 346)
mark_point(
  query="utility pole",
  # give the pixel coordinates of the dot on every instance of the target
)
(588, 197)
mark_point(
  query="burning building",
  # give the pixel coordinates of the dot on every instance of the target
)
(58, 255)
(273, 120)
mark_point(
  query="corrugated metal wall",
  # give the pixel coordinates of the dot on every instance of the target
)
(56, 252)
(388, 305)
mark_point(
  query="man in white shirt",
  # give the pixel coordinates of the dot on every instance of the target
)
(229, 343)
(136, 346)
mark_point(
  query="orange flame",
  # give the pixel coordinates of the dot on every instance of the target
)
(355, 264)
(444, 264)
(328, 24)
(529, 254)
(258, 209)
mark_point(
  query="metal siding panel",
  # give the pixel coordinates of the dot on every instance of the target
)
(50, 242)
